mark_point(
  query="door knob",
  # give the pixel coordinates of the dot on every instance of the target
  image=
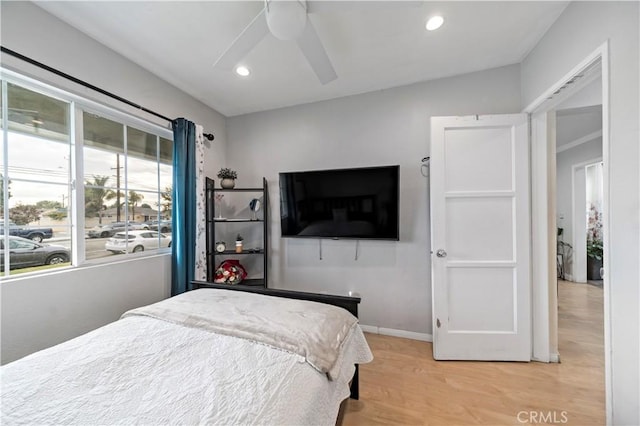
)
(441, 253)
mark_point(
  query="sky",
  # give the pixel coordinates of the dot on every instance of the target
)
(47, 162)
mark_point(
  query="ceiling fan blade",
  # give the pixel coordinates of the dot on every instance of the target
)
(313, 50)
(242, 45)
(324, 6)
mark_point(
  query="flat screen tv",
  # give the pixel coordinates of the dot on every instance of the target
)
(360, 203)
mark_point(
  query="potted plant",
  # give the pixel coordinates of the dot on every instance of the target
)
(239, 240)
(594, 243)
(594, 258)
(227, 178)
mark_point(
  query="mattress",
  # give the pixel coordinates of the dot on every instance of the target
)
(142, 370)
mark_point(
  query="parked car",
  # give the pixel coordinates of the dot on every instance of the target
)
(163, 226)
(25, 253)
(35, 234)
(136, 241)
(106, 230)
(110, 229)
(137, 225)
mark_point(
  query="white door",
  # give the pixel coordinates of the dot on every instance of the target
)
(480, 237)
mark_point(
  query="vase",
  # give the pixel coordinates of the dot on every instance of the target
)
(594, 267)
(227, 183)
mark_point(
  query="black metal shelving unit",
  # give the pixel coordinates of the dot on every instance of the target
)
(212, 222)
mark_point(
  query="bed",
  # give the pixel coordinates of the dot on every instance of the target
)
(215, 355)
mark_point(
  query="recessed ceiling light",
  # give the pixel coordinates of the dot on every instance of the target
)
(243, 71)
(434, 22)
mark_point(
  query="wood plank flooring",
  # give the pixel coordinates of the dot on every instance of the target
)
(405, 386)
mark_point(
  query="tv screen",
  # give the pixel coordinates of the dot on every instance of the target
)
(357, 203)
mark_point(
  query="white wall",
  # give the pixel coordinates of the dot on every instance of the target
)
(30, 31)
(589, 96)
(579, 31)
(380, 128)
(576, 123)
(41, 311)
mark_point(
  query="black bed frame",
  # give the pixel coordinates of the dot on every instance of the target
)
(347, 302)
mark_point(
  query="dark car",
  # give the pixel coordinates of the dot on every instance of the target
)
(24, 253)
(36, 234)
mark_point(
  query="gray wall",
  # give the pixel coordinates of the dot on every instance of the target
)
(379, 128)
(38, 312)
(580, 30)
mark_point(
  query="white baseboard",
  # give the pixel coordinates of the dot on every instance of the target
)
(553, 358)
(397, 333)
(369, 329)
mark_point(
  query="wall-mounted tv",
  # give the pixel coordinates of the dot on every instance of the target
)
(359, 203)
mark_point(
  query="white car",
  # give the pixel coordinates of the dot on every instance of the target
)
(137, 241)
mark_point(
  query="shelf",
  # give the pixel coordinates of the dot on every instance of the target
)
(236, 220)
(253, 282)
(228, 252)
(243, 217)
(238, 190)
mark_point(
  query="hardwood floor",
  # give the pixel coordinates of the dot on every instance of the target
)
(405, 386)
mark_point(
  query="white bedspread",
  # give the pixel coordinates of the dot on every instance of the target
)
(313, 330)
(140, 370)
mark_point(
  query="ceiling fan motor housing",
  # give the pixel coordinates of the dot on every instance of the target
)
(286, 19)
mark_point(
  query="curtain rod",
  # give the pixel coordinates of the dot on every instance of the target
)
(55, 71)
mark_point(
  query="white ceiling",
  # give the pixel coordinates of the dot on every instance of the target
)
(372, 45)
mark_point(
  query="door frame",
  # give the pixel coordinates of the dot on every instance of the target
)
(544, 291)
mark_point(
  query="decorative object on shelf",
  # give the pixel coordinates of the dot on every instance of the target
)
(230, 271)
(228, 178)
(239, 240)
(221, 246)
(254, 206)
(219, 198)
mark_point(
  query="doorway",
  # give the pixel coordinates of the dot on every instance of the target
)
(547, 210)
(579, 187)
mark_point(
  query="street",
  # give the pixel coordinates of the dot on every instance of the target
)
(94, 247)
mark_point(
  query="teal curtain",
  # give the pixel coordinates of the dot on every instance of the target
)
(183, 243)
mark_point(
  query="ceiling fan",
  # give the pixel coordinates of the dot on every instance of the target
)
(286, 20)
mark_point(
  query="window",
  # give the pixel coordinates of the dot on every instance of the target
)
(124, 170)
(69, 164)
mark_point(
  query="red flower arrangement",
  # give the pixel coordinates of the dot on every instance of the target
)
(230, 271)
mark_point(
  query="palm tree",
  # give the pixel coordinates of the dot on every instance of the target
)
(94, 195)
(167, 199)
(2, 192)
(134, 199)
